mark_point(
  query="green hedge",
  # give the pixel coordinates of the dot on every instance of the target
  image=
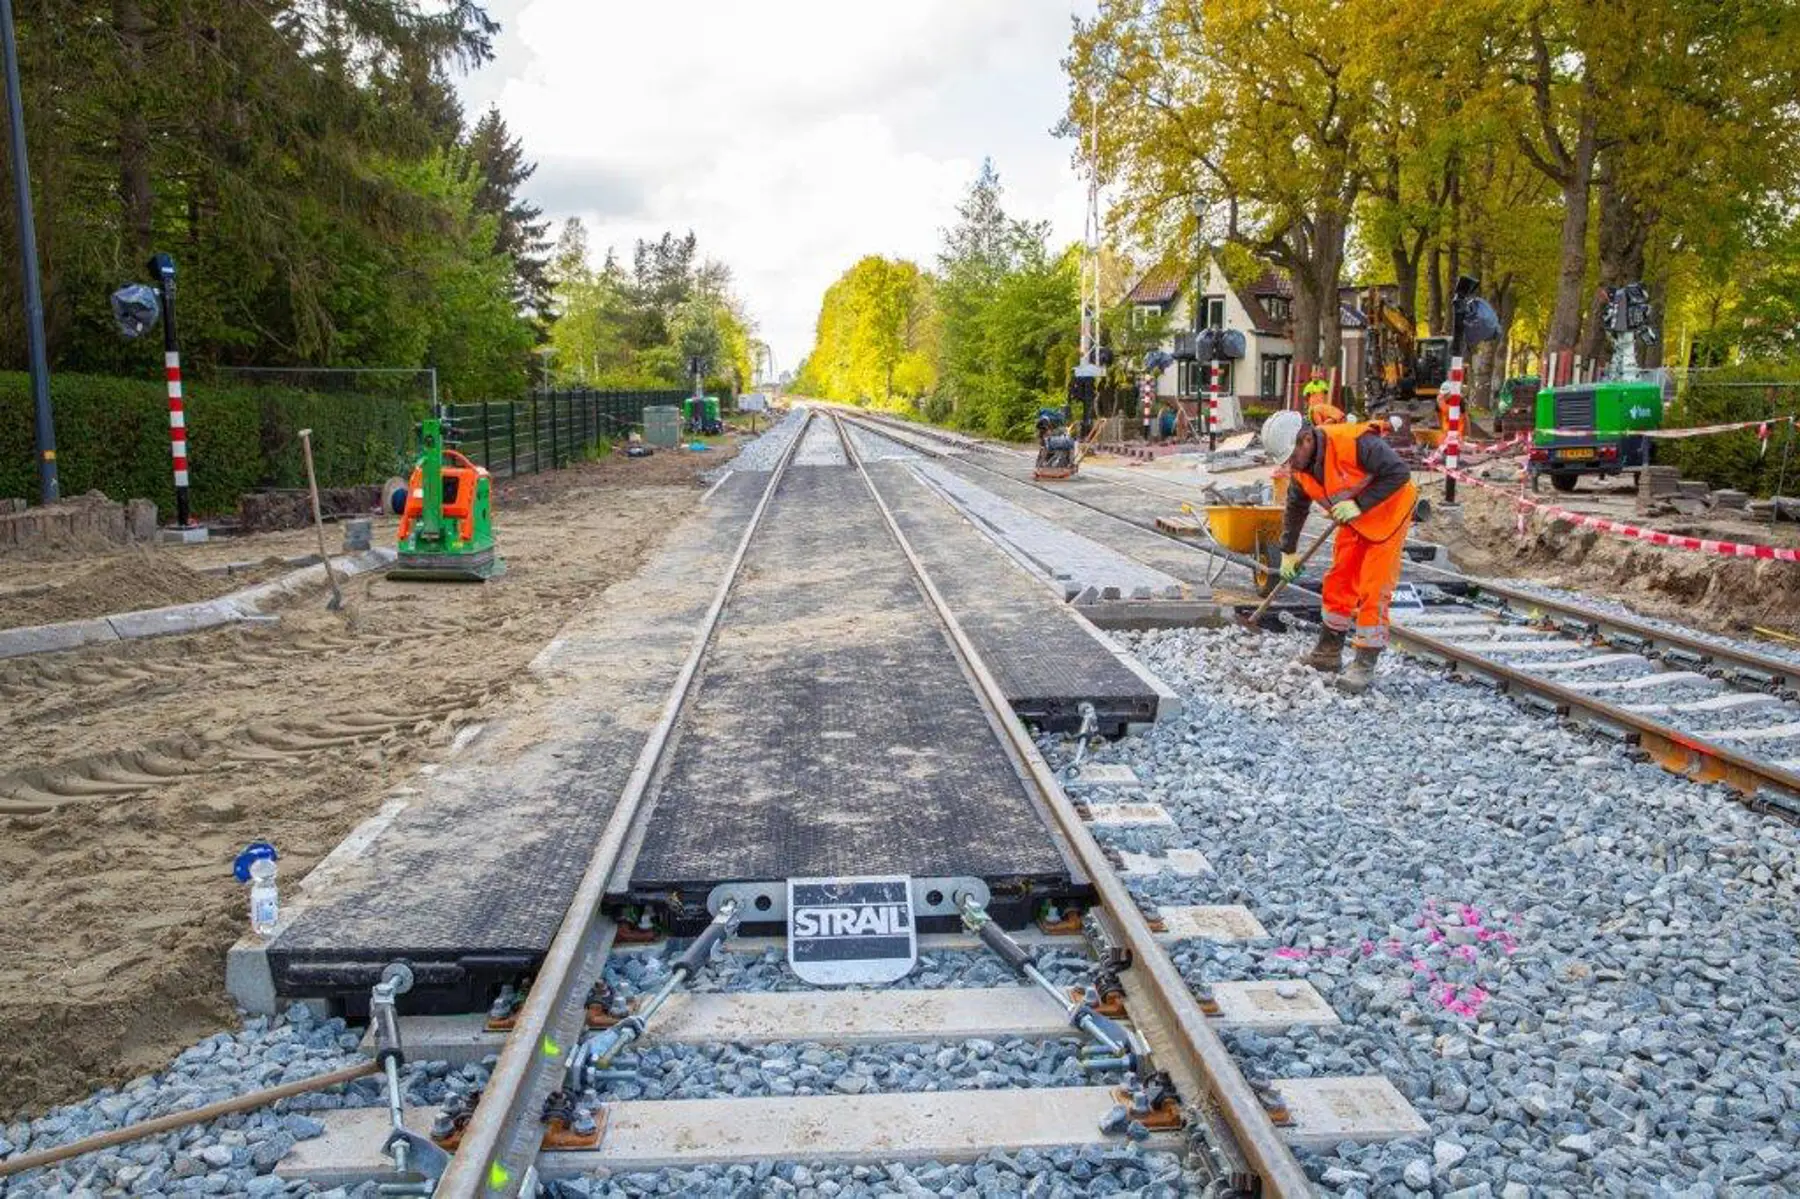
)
(1748, 392)
(112, 435)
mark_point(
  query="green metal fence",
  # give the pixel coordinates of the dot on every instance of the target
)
(549, 429)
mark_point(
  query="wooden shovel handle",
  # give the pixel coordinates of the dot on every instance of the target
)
(1281, 583)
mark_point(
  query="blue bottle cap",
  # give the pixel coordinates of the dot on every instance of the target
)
(255, 851)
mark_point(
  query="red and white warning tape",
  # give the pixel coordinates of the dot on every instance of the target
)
(1690, 431)
(1704, 545)
(1493, 447)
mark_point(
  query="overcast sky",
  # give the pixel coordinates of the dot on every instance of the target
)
(793, 136)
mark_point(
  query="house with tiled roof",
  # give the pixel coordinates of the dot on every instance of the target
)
(1262, 310)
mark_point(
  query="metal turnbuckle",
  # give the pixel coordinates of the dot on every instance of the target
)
(418, 1163)
(1090, 724)
(597, 1051)
(1114, 1047)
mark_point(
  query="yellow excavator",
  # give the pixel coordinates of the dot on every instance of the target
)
(1404, 365)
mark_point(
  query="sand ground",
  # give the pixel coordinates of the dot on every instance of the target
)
(130, 775)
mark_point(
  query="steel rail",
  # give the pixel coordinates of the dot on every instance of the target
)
(1781, 674)
(1242, 560)
(1207, 1058)
(1764, 784)
(503, 1136)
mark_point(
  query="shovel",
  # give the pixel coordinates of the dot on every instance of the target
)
(1249, 622)
(312, 485)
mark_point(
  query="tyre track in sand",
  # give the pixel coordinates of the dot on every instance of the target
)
(130, 774)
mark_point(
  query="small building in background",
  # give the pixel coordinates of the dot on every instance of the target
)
(1263, 311)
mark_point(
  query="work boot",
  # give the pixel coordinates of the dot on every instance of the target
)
(1356, 680)
(1328, 654)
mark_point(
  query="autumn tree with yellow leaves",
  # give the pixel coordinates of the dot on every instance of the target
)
(1549, 148)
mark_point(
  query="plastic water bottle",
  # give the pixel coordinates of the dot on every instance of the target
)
(265, 899)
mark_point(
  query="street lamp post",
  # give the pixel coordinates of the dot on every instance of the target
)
(49, 487)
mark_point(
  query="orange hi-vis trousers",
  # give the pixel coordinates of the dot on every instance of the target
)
(1361, 582)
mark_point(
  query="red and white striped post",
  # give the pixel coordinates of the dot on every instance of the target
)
(1453, 428)
(177, 434)
(1215, 387)
(163, 267)
(1146, 391)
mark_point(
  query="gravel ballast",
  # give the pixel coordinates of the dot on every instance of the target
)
(1058, 1174)
(636, 973)
(763, 452)
(233, 1155)
(730, 1071)
(1582, 970)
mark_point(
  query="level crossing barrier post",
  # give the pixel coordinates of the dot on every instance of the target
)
(1453, 427)
(1215, 383)
(163, 268)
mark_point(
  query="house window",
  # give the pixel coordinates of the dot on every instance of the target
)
(1202, 375)
(1214, 309)
(1275, 368)
(1187, 378)
(1278, 307)
(1144, 315)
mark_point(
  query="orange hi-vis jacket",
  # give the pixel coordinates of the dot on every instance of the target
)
(1324, 412)
(1345, 480)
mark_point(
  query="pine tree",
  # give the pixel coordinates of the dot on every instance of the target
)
(500, 159)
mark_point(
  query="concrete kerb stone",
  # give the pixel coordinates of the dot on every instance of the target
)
(49, 638)
(180, 618)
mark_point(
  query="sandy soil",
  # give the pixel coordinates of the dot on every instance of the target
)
(131, 775)
(1724, 595)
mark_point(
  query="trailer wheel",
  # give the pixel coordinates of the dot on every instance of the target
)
(1564, 482)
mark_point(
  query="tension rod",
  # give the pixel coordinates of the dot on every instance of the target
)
(597, 1051)
(1107, 1033)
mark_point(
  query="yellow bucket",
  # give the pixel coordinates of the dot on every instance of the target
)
(1244, 528)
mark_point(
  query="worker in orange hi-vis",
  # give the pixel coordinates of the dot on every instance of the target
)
(1352, 472)
(1319, 408)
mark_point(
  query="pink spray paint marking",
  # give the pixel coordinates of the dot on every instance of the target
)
(1459, 996)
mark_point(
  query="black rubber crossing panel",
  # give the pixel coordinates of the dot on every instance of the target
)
(1046, 660)
(834, 732)
(470, 881)
(1058, 502)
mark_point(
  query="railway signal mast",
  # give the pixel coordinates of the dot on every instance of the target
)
(1089, 369)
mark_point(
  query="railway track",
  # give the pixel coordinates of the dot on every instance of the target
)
(1705, 710)
(1168, 1032)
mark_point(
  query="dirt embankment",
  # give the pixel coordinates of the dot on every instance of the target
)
(130, 775)
(1734, 596)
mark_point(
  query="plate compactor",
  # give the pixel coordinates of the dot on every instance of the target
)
(446, 528)
(1058, 457)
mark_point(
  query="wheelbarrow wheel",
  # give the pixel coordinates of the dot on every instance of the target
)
(1267, 574)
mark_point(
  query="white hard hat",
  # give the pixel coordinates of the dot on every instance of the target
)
(1279, 433)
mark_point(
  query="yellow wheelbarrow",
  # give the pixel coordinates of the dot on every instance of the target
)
(1249, 530)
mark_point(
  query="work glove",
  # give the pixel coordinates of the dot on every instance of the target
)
(1290, 567)
(1345, 511)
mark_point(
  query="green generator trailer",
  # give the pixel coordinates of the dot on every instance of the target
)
(1593, 429)
(700, 414)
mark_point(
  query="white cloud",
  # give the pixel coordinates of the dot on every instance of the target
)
(792, 137)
